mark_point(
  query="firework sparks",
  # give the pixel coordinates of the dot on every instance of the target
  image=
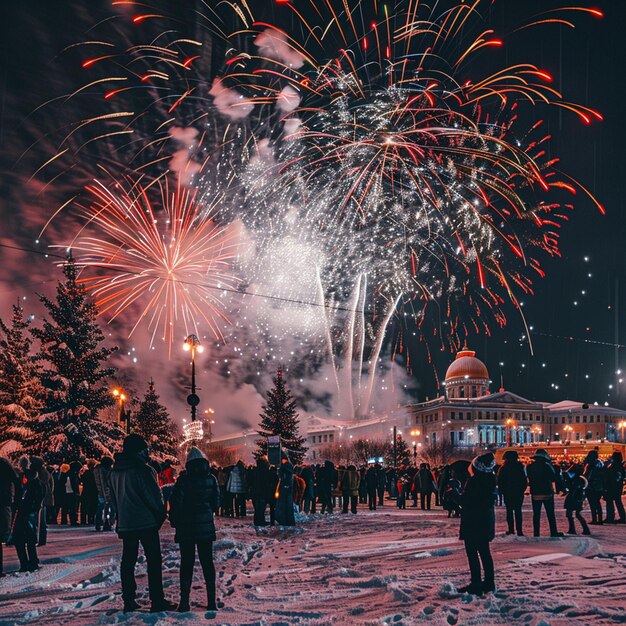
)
(172, 263)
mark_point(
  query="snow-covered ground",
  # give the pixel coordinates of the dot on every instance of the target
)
(383, 567)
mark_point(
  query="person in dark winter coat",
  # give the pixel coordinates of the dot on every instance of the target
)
(614, 476)
(140, 514)
(362, 486)
(47, 483)
(308, 475)
(89, 494)
(478, 523)
(382, 482)
(25, 524)
(193, 503)
(427, 486)
(8, 491)
(105, 513)
(594, 473)
(452, 496)
(350, 488)
(262, 489)
(70, 489)
(512, 483)
(543, 478)
(575, 499)
(371, 485)
(284, 507)
(237, 485)
(327, 477)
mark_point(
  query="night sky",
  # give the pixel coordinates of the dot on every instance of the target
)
(578, 324)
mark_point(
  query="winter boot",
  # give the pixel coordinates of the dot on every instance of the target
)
(474, 589)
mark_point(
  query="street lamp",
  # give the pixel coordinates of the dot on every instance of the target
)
(536, 432)
(120, 396)
(209, 421)
(415, 433)
(192, 344)
(568, 429)
(509, 425)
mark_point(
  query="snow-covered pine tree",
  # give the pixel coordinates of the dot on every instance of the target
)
(154, 424)
(74, 376)
(21, 392)
(279, 417)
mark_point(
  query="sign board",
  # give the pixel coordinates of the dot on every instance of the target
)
(192, 431)
(273, 450)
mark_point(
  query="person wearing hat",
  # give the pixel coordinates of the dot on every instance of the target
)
(512, 483)
(195, 499)
(478, 523)
(543, 478)
(575, 499)
(137, 498)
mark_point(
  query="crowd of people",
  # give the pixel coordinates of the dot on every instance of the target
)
(134, 495)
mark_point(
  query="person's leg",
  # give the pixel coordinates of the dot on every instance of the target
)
(65, 508)
(74, 510)
(571, 528)
(536, 517)
(346, 502)
(620, 509)
(33, 560)
(152, 549)
(187, 562)
(471, 550)
(20, 548)
(509, 517)
(353, 504)
(487, 561)
(517, 511)
(99, 513)
(583, 523)
(43, 527)
(429, 497)
(610, 509)
(549, 505)
(205, 553)
(130, 550)
(422, 501)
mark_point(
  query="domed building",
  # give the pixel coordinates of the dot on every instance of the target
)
(467, 376)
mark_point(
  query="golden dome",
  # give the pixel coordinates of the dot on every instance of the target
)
(466, 365)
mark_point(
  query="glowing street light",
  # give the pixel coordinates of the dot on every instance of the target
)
(192, 344)
(123, 416)
(622, 425)
(509, 423)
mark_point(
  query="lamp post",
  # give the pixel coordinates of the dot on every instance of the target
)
(192, 344)
(509, 426)
(209, 421)
(568, 429)
(415, 433)
(536, 432)
(120, 396)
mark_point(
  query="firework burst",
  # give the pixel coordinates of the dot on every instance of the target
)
(171, 263)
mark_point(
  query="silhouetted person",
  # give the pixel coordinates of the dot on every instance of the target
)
(140, 513)
(478, 523)
(594, 473)
(512, 483)
(542, 478)
(193, 502)
(26, 522)
(614, 476)
(575, 499)
(284, 507)
(8, 491)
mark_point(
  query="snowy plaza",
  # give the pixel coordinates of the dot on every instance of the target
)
(382, 567)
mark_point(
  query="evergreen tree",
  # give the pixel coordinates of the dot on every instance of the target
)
(404, 455)
(21, 392)
(74, 377)
(154, 424)
(279, 417)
